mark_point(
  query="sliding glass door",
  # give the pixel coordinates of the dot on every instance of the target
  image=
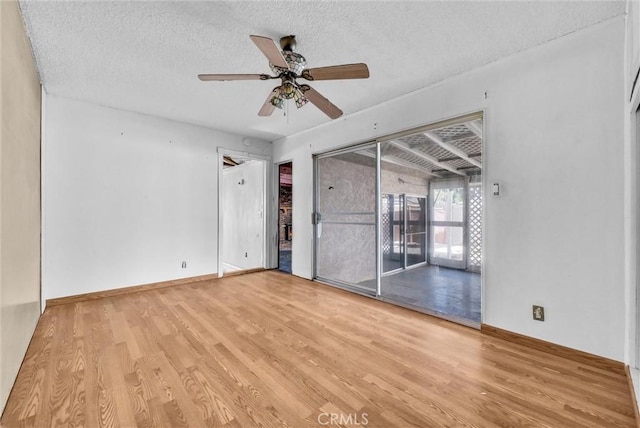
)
(401, 219)
(345, 230)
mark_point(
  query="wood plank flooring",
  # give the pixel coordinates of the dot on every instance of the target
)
(268, 349)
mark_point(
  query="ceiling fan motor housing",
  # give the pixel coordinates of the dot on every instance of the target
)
(288, 43)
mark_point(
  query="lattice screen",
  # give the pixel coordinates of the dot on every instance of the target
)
(475, 226)
(387, 212)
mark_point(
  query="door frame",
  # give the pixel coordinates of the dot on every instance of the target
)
(267, 235)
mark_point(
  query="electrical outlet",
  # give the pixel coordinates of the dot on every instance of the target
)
(184, 265)
(538, 313)
(246, 255)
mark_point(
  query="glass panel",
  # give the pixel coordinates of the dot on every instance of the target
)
(346, 233)
(448, 242)
(434, 275)
(448, 204)
(347, 254)
(447, 234)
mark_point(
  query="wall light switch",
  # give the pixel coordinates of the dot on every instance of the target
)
(496, 189)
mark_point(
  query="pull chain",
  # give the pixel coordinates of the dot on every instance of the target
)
(286, 110)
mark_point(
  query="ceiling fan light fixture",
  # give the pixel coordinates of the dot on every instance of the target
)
(287, 90)
(277, 101)
(299, 98)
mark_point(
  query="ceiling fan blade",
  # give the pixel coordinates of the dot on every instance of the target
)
(326, 106)
(268, 107)
(335, 72)
(271, 51)
(208, 77)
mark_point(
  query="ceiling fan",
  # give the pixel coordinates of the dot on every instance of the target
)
(288, 66)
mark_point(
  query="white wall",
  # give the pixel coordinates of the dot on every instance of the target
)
(554, 140)
(19, 195)
(243, 216)
(632, 198)
(127, 198)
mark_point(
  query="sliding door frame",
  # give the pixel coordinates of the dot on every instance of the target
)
(476, 114)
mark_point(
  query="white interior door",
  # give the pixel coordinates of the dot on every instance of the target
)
(243, 210)
(243, 233)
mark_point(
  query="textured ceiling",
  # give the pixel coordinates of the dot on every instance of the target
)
(144, 56)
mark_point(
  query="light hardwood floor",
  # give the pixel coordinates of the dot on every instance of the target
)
(268, 349)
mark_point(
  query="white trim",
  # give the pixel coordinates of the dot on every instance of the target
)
(43, 140)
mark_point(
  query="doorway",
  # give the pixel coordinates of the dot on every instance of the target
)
(242, 202)
(285, 216)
